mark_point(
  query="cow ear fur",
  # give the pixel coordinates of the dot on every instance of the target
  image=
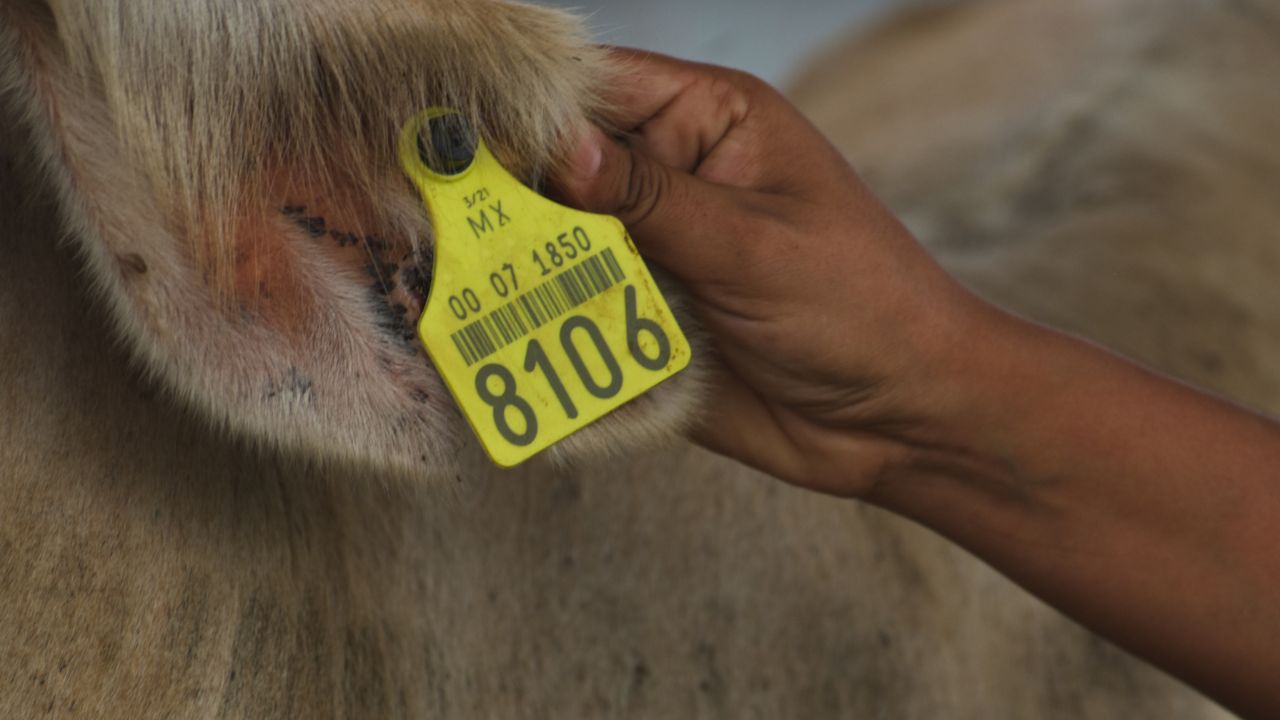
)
(227, 172)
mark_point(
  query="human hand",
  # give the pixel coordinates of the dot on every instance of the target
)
(852, 364)
(833, 328)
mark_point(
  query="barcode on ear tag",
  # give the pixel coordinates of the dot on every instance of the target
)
(541, 319)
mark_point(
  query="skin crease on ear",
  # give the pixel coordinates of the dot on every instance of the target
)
(206, 411)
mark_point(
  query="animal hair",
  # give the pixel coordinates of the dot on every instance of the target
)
(1105, 171)
(176, 133)
(208, 96)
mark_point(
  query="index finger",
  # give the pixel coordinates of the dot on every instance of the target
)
(649, 82)
(677, 112)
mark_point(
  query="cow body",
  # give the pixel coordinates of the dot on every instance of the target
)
(160, 560)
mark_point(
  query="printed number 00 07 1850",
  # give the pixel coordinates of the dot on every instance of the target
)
(573, 331)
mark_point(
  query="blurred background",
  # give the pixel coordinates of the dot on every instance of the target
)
(768, 38)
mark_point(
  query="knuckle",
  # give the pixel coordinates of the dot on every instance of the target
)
(648, 186)
(748, 85)
(730, 93)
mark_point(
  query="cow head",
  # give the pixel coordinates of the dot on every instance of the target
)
(227, 171)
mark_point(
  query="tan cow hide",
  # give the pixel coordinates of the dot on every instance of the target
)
(223, 493)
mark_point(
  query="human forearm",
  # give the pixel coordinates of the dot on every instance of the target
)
(1145, 509)
(849, 363)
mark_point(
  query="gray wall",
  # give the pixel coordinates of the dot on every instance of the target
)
(768, 38)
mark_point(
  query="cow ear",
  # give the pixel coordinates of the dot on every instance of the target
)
(230, 179)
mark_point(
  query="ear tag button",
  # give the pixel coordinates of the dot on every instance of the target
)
(541, 319)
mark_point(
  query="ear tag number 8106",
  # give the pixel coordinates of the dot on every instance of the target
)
(541, 319)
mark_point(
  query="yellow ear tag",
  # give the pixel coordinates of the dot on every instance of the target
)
(541, 319)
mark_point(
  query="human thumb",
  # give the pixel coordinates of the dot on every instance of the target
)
(677, 220)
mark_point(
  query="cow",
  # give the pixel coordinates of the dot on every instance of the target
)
(233, 485)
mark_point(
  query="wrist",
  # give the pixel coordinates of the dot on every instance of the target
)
(935, 413)
(972, 400)
(1004, 409)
